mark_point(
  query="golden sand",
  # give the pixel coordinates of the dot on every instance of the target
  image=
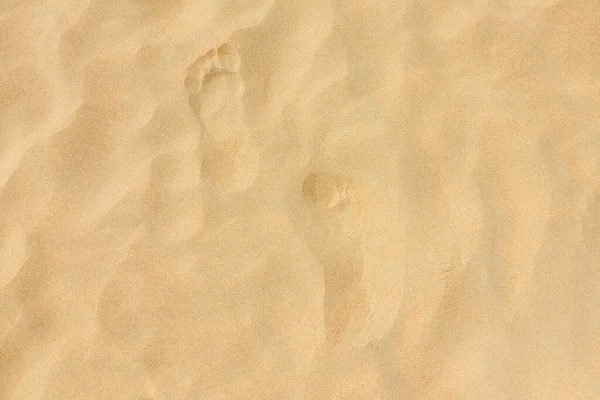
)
(220, 199)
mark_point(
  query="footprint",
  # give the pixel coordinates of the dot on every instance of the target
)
(353, 233)
(215, 88)
(336, 242)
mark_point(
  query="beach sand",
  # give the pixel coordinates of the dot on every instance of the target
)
(277, 199)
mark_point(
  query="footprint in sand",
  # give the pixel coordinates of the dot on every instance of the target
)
(215, 87)
(350, 236)
(337, 245)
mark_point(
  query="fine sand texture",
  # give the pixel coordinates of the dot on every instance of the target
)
(299, 199)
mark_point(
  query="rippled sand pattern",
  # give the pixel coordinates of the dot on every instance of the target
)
(277, 199)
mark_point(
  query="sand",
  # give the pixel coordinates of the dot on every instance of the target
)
(277, 199)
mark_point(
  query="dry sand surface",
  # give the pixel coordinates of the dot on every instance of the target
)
(299, 199)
